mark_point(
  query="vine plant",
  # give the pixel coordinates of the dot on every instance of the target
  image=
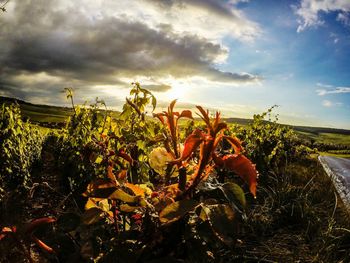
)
(150, 194)
(187, 189)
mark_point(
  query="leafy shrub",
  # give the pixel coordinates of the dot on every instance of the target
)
(184, 197)
(74, 140)
(142, 179)
(269, 144)
(20, 147)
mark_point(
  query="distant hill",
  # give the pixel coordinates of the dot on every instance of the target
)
(47, 113)
(308, 129)
(40, 113)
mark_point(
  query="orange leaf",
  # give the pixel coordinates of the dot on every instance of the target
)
(122, 175)
(191, 144)
(217, 160)
(6, 230)
(243, 167)
(186, 114)
(42, 245)
(100, 188)
(160, 116)
(110, 174)
(172, 104)
(172, 190)
(235, 142)
(137, 190)
(39, 222)
(220, 126)
(205, 115)
(125, 156)
(217, 119)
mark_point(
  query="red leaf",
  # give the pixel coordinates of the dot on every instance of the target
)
(205, 115)
(137, 190)
(160, 116)
(6, 230)
(125, 156)
(42, 245)
(220, 126)
(100, 188)
(218, 160)
(235, 142)
(191, 144)
(243, 167)
(217, 119)
(186, 114)
(39, 222)
(111, 175)
(172, 104)
(122, 175)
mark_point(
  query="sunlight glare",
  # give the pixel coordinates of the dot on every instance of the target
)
(176, 92)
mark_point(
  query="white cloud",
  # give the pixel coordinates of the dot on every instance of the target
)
(344, 18)
(327, 103)
(324, 85)
(309, 12)
(337, 90)
(212, 19)
(91, 44)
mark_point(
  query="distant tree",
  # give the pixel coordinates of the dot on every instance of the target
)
(3, 5)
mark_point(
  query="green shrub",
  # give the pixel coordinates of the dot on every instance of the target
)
(20, 147)
(267, 143)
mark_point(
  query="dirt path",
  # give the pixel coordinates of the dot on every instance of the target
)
(339, 170)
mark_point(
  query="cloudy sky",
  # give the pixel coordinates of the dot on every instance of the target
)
(239, 57)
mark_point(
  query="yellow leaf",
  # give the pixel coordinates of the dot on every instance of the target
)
(90, 204)
(92, 216)
(136, 189)
(127, 208)
(176, 210)
(122, 196)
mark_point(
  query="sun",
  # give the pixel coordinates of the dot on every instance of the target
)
(176, 92)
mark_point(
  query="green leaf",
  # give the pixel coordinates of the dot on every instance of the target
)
(232, 189)
(176, 210)
(222, 221)
(92, 215)
(154, 102)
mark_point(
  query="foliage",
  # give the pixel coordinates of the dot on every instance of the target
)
(269, 144)
(185, 192)
(27, 232)
(110, 162)
(138, 189)
(20, 147)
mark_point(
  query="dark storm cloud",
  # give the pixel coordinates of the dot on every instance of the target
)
(111, 46)
(64, 43)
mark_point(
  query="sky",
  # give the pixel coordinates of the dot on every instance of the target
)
(236, 56)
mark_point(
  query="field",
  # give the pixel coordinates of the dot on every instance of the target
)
(44, 114)
(327, 138)
(87, 185)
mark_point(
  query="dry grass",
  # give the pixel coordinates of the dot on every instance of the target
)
(298, 217)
